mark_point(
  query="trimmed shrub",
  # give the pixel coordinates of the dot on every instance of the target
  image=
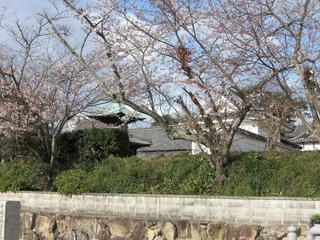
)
(22, 147)
(315, 219)
(97, 144)
(186, 175)
(177, 175)
(74, 181)
(293, 174)
(93, 145)
(25, 175)
(125, 175)
(250, 174)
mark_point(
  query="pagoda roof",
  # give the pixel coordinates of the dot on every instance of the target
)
(116, 113)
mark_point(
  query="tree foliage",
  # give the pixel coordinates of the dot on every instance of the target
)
(164, 57)
(41, 88)
(90, 146)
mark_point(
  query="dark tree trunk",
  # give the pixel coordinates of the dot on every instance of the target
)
(272, 139)
(219, 162)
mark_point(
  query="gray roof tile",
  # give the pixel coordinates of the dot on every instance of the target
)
(301, 135)
(159, 140)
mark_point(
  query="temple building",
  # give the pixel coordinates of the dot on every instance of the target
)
(153, 142)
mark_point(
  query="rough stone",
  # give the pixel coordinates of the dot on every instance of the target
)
(151, 223)
(137, 229)
(169, 230)
(91, 226)
(60, 227)
(242, 232)
(68, 235)
(273, 233)
(195, 233)
(82, 236)
(73, 235)
(203, 226)
(150, 235)
(216, 231)
(159, 238)
(45, 226)
(28, 235)
(62, 223)
(27, 220)
(183, 229)
(152, 229)
(119, 227)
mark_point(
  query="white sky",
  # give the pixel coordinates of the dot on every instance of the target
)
(23, 9)
(26, 11)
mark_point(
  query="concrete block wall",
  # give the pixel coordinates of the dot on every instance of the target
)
(263, 211)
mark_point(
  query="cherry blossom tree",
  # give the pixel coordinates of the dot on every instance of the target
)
(41, 88)
(183, 58)
(274, 113)
(287, 38)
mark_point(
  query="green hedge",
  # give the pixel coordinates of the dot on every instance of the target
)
(26, 145)
(292, 174)
(250, 174)
(73, 181)
(253, 174)
(25, 175)
(89, 146)
(179, 175)
(86, 147)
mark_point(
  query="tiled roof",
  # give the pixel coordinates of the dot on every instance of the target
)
(301, 135)
(283, 142)
(159, 140)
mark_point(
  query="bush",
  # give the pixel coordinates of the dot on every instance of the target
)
(93, 145)
(186, 175)
(293, 174)
(73, 181)
(25, 175)
(24, 146)
(250, 174)
(315, 219)
(179, 175)
(125, 175)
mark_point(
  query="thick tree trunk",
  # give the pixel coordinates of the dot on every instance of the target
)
(218, 161)
(219, 158)
(272, 139)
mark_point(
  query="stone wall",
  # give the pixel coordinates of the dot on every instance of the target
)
(48, 226)
(261, 211)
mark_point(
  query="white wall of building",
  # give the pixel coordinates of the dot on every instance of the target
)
(253, 126)
(244, 143)
(241, 143)
(310, 146)
(250, 126)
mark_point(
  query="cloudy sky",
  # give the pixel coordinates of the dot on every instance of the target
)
(23, 9)
(26, 11)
